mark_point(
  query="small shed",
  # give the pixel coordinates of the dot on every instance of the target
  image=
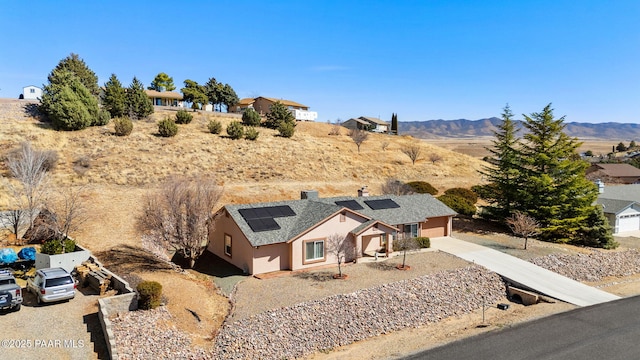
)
(31, 92)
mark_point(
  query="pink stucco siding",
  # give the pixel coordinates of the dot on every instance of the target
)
(436, 227)
(241, 249)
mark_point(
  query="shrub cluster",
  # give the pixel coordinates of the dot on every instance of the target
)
(422, 187)
(423, 242)
(463, 193)
(56, 246)
(123, 126)
(286, 129)
(235, 130)
(458, 204)
(149, 295)
(167, 128)
(251, 134)
(251, 118)
(215, 127)
(183, 117)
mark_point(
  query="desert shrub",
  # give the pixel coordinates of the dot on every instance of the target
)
(286, 129)
(235, 130)
(422, 187)
(251, 117)
(167, 128)
(251, 134)
(55, 246)
(424, 242)
(183, 117)
(103, 118)
(215, 127)
(50, 160)
(464, 193)
(122, 126)
(458, 204)
(149, 295)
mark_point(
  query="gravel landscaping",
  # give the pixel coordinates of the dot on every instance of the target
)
(592, 267)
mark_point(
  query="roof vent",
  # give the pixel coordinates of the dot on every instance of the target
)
(362, 192)
(309, 194)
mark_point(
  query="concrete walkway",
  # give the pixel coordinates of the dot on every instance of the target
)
(524, 273)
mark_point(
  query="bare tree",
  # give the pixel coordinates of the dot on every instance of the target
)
(358, 136)
(405, 243)
(68, 206)
(413, 151)
(396, 187)
(384, 145)
(29, 167)
(335, 128)
(342, 248)
(434, 157)
(523, 225)
(180, 214)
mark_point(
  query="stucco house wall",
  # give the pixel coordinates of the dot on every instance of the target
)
(268, 258)
(241, 249)
(436, 227)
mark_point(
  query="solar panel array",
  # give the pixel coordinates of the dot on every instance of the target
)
(381, 204)
(262, 219)
(350, 204)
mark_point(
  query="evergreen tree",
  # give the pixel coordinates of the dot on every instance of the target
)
(554, 190)
(211, 91)
(250, 117)
(67, 103)
(162, 82)
(77, 66)
(504, 171)
(194, 93)
(138, 103)
(229, 96)
(394, 123)
(278, 113)
(114, 100)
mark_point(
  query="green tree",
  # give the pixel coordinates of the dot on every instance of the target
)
(504, 172)
(162, 82)
(67, 103)
(138, 103)
(250, 117)
(632, 145)
(394, 123)
(620, 147)
(114, 99)
(228, 97)
(278, 113)
(555, 190)
(167, 128)
(194, 93)
(212, 91)
(74, 64)
(287, 129)
(235, 130)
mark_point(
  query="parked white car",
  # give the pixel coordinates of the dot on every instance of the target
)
(52, 284)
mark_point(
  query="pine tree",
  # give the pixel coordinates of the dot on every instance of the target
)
(67, 103)
(79, 68)
(394, 123)
(504, 172)
(114, 100)
(278, 113)
(138, 103)
(162, 82)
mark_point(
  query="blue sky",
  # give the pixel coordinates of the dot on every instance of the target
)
(421, 59)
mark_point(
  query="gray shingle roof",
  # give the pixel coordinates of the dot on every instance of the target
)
(612, 206)
(621, 192)
(309, 212)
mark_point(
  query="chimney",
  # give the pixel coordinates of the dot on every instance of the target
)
(600, 185)
(363, 192)
(309, 194)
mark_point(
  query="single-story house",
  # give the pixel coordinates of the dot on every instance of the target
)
(614, 173)
(263, 104)
(31, 92)
(367, 123)
(295, 234)
(621, 206)
(165, 98)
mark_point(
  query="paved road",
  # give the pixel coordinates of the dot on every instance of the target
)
(606, 331)
(65, 330)
(525, 273)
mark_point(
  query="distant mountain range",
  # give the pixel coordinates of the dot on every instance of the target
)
(464, 128)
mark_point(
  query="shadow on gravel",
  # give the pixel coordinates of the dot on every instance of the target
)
(97, 336)
(384, 266)
(315, 276)
(478, 226)
(225, 275)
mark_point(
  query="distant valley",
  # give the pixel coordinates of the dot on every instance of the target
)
(463, 128)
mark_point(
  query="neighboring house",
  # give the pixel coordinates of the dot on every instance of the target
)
(263, 104)
(165, 98)
(31, 92)
(294, 234)
(616, 173)
(621, 206)
(367, 123)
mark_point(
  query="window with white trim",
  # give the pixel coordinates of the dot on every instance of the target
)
(411, 230)
(314, 250)
(227, 244)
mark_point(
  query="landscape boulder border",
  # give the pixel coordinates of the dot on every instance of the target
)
(595, 266)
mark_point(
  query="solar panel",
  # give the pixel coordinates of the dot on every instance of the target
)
(381, 204)
(265, 224)
(350, 204)
(266, 212)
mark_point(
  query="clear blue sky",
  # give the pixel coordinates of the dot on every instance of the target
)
(421, 59)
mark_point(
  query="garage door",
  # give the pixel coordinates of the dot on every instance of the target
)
(629, 222)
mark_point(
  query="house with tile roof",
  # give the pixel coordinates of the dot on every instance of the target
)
(367, 123)
(614, 173)
(293, 235)
(621, 206)
(263, 104)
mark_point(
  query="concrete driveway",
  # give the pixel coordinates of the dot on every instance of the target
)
(524, 273)
(63, 330)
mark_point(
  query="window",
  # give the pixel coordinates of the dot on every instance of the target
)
(314, 250)
(383, 240)
(343, 217)
(33, 91)
(227, 244)
(411, 230)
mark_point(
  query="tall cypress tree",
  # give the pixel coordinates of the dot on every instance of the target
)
(138, 103)
(394, 123)
(504, 173)
(114, 99)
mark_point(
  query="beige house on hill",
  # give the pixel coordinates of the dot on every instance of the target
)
(165, 98)
(263, 104)
(295, 234)
(367, 123)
